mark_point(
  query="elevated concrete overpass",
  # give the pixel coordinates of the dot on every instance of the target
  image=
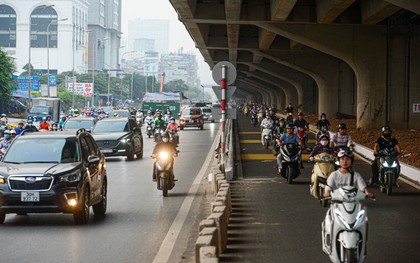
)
(359, 57)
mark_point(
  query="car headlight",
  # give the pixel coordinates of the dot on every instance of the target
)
(2, 180)
(126, 140)
(70, 178)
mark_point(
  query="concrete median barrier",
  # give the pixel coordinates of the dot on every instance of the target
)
(206, 223)
(213, 232)
(202, 241)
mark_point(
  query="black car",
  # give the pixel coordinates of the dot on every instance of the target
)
(79, 123)
(119, 137)
(53, 172)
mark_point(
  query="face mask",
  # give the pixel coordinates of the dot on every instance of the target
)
(165, 139)
(7, 136)
(323, 118)
(387, 135)
(324, 143)
(172, 121)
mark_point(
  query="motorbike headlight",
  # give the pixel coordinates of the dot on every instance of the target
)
(70, 178)
(394, 164)
(385, 164)
(340, 216)
(125, 140)
(163, 155)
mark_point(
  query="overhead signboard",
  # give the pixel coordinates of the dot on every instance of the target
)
(229, 92)
(230, 72)
(23, 82)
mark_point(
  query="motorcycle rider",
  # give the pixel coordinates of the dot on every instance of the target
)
(5, 143)
(164, 145)
(44, 125)
(266, 123)
(30, 127)
(322, 146)
(302, 125)
(386, 141)
(62, 121)
(149, 117)
(290, 109)
(173, 126)
(289, 137)
(341, 138)
(19, 129)
(342, 176)
(323, 125)
(4, 118)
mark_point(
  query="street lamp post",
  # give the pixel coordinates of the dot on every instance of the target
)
(203, 92)
(53, 22)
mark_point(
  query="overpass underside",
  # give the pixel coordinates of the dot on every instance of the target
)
(358, 57)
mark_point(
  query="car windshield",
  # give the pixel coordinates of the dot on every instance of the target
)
(78, 124)
(111, 126)
(206, 110)
(43, 150)
(191, 112)
(123, 113)
(40, 109)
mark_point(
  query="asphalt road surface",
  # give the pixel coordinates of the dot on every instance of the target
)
(138, 216)
(273, 221)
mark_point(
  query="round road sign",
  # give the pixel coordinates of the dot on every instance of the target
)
(230, 72)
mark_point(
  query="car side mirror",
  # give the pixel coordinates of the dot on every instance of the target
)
(93, 159)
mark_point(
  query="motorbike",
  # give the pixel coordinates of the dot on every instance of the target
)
(302, 135)
(254, 119)
(290, 161)
(266, 136)
(345, 228)
(158, 133)
(164, 172)
(389, 170)
(289, 118)
(139, 120)
(149, 128)
(2, 152)
(172, 137)
(323, 167)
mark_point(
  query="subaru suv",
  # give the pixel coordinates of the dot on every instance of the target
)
(53, 172)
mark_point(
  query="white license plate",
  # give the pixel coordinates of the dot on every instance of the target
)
(29, 196)
(106, 151)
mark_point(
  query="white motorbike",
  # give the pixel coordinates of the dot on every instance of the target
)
(344, 230)
(266, 136)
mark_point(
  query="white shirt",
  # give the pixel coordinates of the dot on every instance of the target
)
(338, 179)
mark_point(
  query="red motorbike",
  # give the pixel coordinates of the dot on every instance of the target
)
(301, 132)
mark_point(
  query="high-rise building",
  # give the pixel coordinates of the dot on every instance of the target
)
(53, 33)
(180, 66)
(157, 29)
(143, 45)
(105, 34)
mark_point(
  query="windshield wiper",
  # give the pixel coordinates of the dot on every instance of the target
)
(42, 162)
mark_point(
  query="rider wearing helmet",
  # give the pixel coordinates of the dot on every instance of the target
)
(159, 122)
(30, 127)
(173, 127)
(44, 125)
(322, 146)
(322, 125)
(288, 137)
(343, 175)
(163, 145)
(341, 138)
(7, 140)
(19, 129)
(386, 141)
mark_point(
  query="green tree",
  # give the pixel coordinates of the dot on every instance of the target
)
(7, 68)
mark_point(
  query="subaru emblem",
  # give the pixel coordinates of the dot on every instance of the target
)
(30, 179)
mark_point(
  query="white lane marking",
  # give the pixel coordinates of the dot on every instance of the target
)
(168, 243)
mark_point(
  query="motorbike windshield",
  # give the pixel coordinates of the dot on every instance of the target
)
(116, 126)
(291, 149)
(43, 150)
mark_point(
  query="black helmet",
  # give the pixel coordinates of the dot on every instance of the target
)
(300, 113)
(386, 128)
(290, 126)
(342, 126)
(345, 152)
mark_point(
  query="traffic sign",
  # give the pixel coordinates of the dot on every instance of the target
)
(229, 91)
(230, 73)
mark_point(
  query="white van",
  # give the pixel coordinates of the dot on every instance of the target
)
(207, 114)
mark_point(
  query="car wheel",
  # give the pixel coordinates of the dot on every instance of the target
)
(100, 208)
(140, 154)
(2, 217)
(181, 128)
(130, 155)
(81, 217)
(201, 127)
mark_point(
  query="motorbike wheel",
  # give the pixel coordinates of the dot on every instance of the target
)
(382, 188)
(389, 183)
(267, 143)
(148, 135)
(163, 185)
(350, 255)
(290, 175)
(320, 191)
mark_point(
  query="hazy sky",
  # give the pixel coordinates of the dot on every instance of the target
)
(178, 34)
